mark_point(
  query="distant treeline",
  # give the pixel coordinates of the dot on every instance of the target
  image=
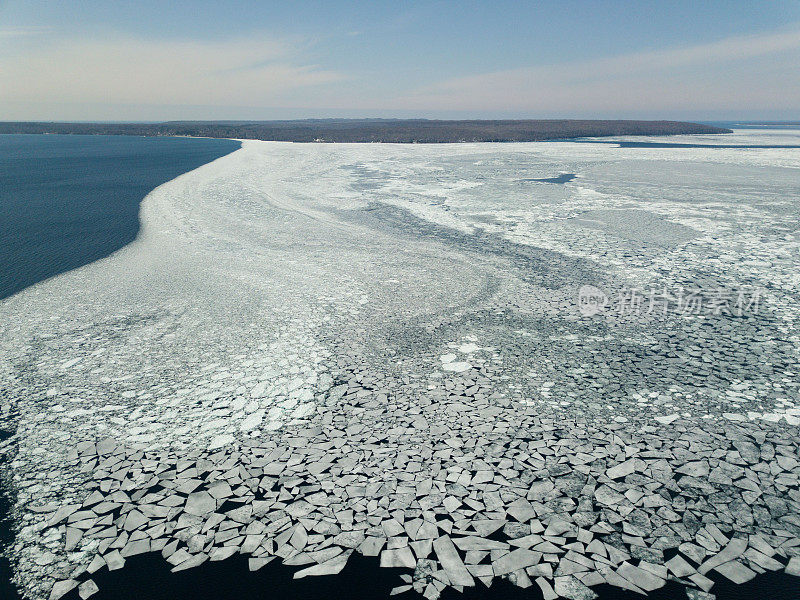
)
(374, 130)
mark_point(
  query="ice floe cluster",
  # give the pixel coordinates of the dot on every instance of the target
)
(456, 483)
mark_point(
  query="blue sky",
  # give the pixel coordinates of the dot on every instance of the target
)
(150, 60)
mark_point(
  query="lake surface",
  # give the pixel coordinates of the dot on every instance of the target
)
(330, 317)
(66, 201)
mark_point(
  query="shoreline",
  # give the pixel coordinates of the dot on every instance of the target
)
(63, 218)
(416, 131)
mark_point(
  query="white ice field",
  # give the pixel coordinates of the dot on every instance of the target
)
(426, 296)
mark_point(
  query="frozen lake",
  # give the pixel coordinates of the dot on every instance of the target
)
(421, 353)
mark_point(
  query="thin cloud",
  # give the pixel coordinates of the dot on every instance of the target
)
(755, 68)
(15, 32)
(253, 71)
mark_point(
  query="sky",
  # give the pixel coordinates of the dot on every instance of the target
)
(154, 60)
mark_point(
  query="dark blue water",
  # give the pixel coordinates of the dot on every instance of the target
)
(713, 146)
(148, 577)
(563, 178)
(68, 200)
(619, 144)
(754, 124)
